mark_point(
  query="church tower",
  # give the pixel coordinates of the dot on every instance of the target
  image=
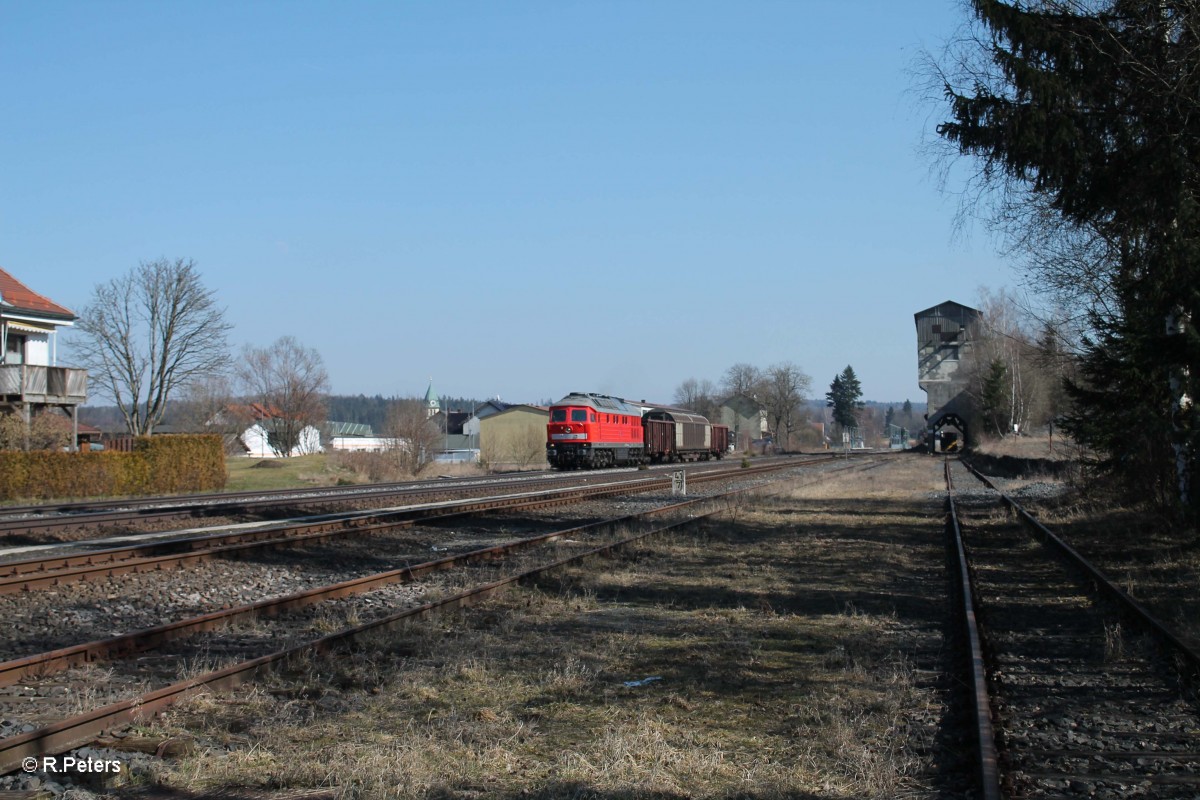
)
(432, 404)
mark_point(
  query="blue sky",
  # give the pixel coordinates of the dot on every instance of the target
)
(518, 199)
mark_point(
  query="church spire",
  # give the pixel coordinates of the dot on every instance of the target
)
(432, 404)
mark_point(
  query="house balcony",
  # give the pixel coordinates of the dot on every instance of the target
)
(53, 386)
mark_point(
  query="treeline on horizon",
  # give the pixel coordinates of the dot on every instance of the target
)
(355, 408)
(361, 409)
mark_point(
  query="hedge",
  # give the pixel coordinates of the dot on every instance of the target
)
(157, 465)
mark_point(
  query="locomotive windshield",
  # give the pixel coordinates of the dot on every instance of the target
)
(577, 415)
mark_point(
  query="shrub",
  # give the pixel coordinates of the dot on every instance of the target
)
(46, 431)
(157, 465)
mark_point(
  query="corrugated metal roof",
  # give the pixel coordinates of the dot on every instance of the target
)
(349, 429)
(949, 309)
(945, 323)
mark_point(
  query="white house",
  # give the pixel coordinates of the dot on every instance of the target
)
(252, 423)
(256, 440)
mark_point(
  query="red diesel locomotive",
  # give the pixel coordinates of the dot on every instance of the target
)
(589, 430)
(594, 430)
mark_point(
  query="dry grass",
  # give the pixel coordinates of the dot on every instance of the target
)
(327, 469)
(1059, 448)
(384, 467)
(787, 649)
(284, 473)
(908, 479)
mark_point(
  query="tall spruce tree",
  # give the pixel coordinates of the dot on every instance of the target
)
(1091, 110)
(1114, 403)
(844, 396)
(993, 399)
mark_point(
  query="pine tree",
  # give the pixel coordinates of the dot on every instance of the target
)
(844, 396)
(1119, 411)
(1092, 111)
(834, 398)
(993, 400)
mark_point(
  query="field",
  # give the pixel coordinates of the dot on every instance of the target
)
(253, 474)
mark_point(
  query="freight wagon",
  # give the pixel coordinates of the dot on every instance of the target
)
(589, 430)
(682, 436)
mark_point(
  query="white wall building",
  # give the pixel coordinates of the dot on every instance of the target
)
(362, 444)
(257, 443)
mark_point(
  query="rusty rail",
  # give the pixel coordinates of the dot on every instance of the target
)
(31, 574)
(1130, 607)
(981, 709)
(93, 514)
(14, 670)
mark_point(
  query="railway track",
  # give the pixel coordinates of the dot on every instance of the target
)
(176, 552)
(189, 503)
(63, 657)
(152, 656)
(72, 521)
(1082, 693)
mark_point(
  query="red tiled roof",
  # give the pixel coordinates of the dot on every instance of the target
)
(18, 295)
(253, 411)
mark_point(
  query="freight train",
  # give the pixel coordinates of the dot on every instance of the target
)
(589, 430)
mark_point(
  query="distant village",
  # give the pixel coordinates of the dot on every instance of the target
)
(510, 432)
(42, 396)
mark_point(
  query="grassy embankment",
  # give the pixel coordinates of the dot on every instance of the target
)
(256, 474)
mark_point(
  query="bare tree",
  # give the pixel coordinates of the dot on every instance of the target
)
(1015, 380)
(148, 333)
(290, 382)
(697, 395)
(414, 437)
(786, 387)
(204, 403)
(208, 405)
(744, 379)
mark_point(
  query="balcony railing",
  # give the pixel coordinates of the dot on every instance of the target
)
(27, 383)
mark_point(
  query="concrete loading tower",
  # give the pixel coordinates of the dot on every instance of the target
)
(945, 340)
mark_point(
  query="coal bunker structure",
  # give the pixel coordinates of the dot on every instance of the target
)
(945, 338)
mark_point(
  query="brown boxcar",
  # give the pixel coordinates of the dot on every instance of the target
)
(673, 435)
(720, 440)
(659, 439)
